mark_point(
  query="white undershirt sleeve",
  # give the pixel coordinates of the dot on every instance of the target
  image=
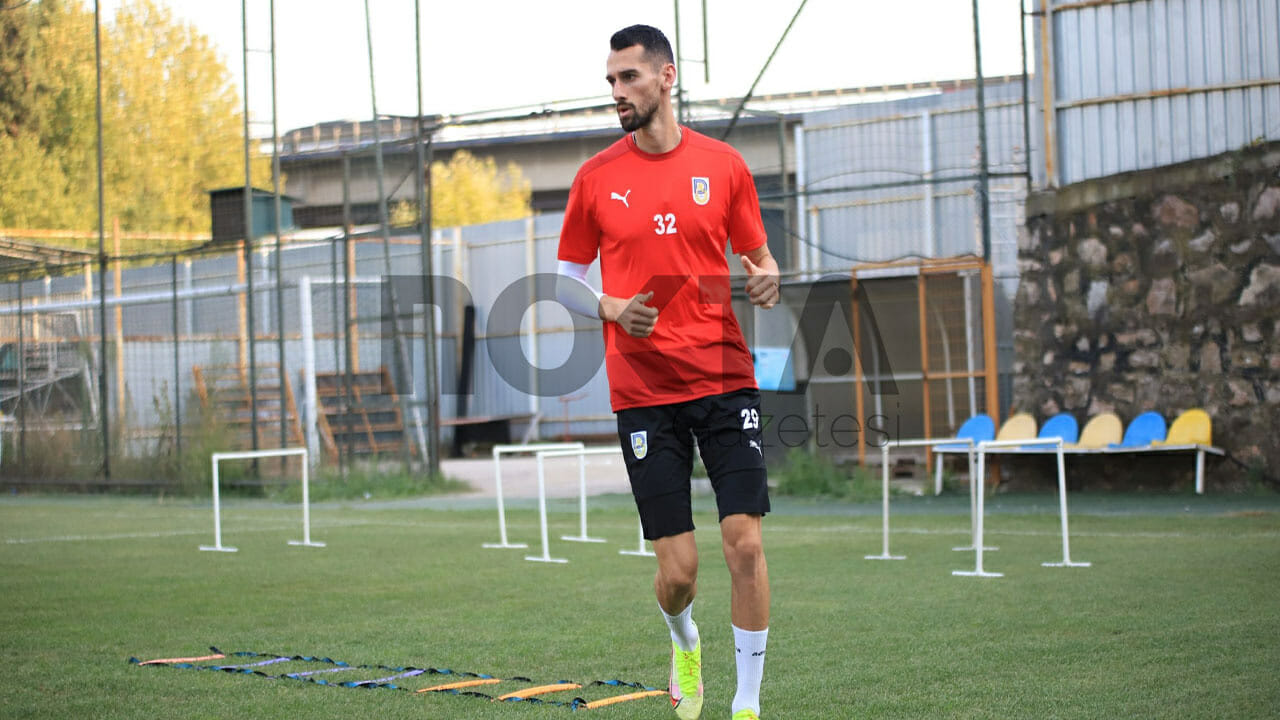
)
(574, 292)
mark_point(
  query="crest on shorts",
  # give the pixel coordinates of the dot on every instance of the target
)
(701, 190)
(640, 444)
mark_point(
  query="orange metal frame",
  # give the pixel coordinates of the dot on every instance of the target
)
(926, 268)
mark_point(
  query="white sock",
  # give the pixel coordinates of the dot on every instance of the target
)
(684, 632)
(750, 657)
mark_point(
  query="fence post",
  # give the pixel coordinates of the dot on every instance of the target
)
(531, 269)
(22, 379)
(348, 310)
(337, 329)
(310, 403)
(242, 322)
(177, 371)
(117, 278)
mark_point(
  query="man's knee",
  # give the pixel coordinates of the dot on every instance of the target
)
(743, 547)
(678, 575)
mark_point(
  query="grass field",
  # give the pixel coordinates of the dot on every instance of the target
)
(1178, 617)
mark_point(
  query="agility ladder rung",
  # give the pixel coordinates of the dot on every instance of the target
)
(531, 694)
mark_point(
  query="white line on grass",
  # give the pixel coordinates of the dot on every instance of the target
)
(1026, 533)
(170, 533)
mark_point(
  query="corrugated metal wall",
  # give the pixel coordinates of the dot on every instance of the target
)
(487, 259)
(898, 179)
(1136, 84)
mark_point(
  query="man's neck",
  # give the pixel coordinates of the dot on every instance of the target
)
(661, 135)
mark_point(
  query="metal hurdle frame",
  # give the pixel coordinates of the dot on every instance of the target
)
(640, 550)
(1056, 445)
(542, 455)
(306, 541)
(582, 503)
(884, 474)
(498, 452)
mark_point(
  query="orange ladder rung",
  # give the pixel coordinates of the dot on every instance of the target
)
(461, 684)
(539, 690)
(622, 698)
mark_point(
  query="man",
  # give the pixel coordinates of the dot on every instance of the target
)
(657, 207)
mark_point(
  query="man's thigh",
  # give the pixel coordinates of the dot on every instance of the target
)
(658, 451)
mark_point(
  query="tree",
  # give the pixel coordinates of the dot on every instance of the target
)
(17, 67)
(171, 124)
(469, 190)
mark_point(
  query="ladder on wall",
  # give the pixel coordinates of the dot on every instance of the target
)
(370, 424)
(224, 391)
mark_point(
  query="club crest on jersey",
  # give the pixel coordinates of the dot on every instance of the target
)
(701, 190)
(640, 444)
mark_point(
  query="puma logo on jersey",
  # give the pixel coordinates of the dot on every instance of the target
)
(622, 198)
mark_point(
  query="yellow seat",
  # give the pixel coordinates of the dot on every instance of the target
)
(1019, 427)
(1192, 427)
(1100, 432)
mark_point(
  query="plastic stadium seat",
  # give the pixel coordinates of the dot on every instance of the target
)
(1192, 427)
(978, 428)
(1019, 427)
(1192, 431)
(1101, 432)
(1143, 431)
(1062, 425)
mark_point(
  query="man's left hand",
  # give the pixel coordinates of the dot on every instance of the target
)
(762, 285)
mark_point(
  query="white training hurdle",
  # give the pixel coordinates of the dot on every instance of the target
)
(498, 452)
(640, 550)
(582, 535)
(884, 475)
(306, 541)
(977, 495)
(581, 454)
(980, 483)
(1053, 445)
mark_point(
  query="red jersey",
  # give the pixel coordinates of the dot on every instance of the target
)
(660, 223)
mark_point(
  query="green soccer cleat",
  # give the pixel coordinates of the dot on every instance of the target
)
(686, 682)
(745, 714)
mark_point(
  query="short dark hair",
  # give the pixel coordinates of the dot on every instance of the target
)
(656, 47)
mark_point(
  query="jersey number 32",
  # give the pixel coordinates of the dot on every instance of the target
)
(666, 224)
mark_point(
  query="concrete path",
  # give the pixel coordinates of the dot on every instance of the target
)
(605, 474)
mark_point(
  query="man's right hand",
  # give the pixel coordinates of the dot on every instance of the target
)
(636, 318)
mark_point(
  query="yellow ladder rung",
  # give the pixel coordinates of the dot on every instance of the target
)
(187, 659)
(461, 684)
(622, 698)
(540, 690)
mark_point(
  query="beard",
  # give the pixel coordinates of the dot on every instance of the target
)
(637, 119)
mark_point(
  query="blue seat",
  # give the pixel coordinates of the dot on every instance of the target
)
(1062, 425)
(978, 428)
(1143, 430)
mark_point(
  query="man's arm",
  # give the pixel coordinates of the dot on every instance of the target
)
(575, 293)
(763, 282)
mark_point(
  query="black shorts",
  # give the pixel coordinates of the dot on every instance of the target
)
(657, 444)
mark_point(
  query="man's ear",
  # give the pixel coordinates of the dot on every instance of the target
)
(668, 76)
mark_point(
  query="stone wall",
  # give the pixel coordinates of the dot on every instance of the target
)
(1158, 290)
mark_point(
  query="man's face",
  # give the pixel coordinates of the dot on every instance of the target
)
(637, 86)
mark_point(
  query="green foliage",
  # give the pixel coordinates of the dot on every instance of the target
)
(469, 190)
(172, 129)
(367, 481)
(17, 69)
(71, 459)
(805, 474)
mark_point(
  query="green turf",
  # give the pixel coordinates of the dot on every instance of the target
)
(1178, 617)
